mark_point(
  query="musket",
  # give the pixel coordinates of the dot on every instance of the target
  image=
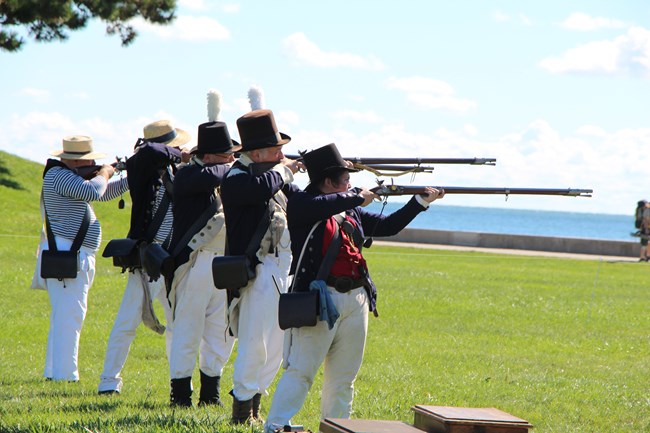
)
(90, 171)
(393, 166)
(413, 161)
(394, 190)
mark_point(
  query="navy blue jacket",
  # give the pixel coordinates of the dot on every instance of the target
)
(194, 190)
(144, 171)
(245, 198)
(305, 209)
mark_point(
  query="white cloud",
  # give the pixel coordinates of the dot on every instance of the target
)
(195, 5)
(592, 130)
(186, 28)
(584, 22)
(231, 8)
(502, 17)
(35, 134)
(286, 117)
(302, 50)
(525, 20)
(41, 95)
(429, 93)
(626, 54)
(358, 116)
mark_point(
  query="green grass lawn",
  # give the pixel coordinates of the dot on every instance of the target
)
(564, 344)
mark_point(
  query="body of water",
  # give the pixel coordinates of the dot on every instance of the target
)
(520, 221)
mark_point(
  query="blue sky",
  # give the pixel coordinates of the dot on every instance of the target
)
(557, 91)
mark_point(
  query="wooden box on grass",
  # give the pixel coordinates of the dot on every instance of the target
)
(447, 419)
(338, 425)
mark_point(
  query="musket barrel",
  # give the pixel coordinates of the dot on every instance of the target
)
(470, 161)
(414, 161)
(518, 191)
(406, 190)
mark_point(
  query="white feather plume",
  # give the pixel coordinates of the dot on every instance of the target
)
(256, 98)
(214, 105)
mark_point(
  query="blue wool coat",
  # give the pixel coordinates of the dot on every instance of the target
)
(245, 198)
(144, 171)
(304, 209)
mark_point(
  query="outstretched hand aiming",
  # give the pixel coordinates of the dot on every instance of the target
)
(432, 194)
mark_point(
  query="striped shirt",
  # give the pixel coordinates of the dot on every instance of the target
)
(165, 228)
(66, 197)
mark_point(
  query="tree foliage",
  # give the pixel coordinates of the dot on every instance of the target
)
(48, 20)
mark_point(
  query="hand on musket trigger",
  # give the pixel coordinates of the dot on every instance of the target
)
(294, 165)
(432, 194)
(349, 164)
(368, 196)
(107, 170)
(186, 156)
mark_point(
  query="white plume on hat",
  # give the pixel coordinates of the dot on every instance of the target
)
(256, 98)
(214, 105)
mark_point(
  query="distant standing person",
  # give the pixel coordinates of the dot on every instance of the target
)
(643, 224)
(65, 204)
(152, 167)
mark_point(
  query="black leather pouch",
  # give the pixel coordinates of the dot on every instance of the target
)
(124, 252)
(231, 272)
(156, 261)
(59, 264)
(297, 309)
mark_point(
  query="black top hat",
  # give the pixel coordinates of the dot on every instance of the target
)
(213, 137)
(324, 161)
(257, 130)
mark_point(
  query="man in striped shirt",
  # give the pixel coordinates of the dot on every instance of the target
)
(152, 168)
(66, 199)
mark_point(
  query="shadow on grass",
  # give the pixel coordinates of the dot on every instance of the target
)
(5, 178)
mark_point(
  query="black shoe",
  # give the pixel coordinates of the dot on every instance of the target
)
(209, 394)
(109, 392)
(181, 392)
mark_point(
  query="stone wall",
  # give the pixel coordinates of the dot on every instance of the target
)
(599, 247)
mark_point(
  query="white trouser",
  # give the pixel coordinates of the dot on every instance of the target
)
(342, 350)
(69, 302)
(200, 322)
(259, 351)
(127, 320)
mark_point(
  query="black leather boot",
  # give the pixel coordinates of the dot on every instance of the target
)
(257, 402)
(209, 390)
(181, 392)
(242, 411)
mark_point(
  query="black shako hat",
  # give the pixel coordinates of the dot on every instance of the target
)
(213, 137)
(324, 161)
(257, 130)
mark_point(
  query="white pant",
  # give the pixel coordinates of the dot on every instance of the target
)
(200, 322)
(69, 302)
(342, 350)
(259, 351)
(127, 320)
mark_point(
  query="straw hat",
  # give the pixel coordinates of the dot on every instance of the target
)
(78, 147)
(163, 132)
(257, 130)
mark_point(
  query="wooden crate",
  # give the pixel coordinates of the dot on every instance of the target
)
(338, 425)
(447, 419)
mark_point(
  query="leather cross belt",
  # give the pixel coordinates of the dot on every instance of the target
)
(344, 284)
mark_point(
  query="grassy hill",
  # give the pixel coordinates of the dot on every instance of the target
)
(561, 343)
